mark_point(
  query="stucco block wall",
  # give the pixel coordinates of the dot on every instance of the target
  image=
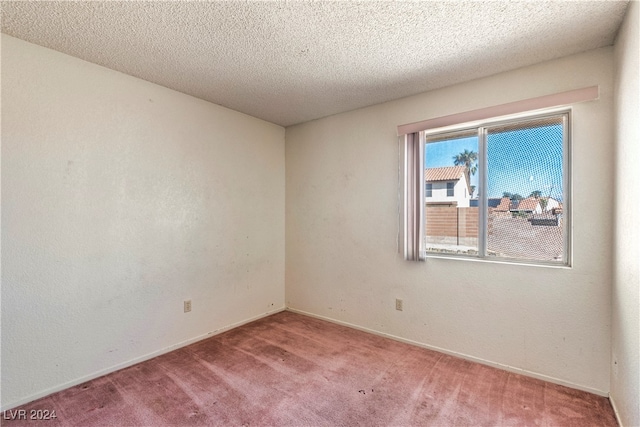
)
(342, 258)
(625, 297)
(451, 221)
(121, 199)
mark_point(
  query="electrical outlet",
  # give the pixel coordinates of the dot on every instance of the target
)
(187, 305)
(398, 304)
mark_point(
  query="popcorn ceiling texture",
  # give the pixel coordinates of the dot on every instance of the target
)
(291, 62)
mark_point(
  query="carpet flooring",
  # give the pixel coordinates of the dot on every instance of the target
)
(292, 370)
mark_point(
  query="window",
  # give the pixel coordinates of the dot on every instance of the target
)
(516, 200)
(450, 189)
(501, 146)
(428, 190)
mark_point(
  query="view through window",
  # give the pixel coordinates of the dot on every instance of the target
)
(499, 190)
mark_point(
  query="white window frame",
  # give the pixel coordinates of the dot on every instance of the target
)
(481, 127)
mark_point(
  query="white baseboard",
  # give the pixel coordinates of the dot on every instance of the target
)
(134, 361)
(460, 355)
(615, 410)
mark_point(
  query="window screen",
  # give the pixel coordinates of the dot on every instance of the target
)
(525, 165)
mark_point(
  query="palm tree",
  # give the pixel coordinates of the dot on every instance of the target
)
(469, 160)
(537, 194)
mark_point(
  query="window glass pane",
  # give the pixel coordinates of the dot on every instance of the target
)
(451, 210)
(526, 190)
(428, 190)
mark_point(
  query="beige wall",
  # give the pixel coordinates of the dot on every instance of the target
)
(120, 199)
(625, 337)
(342, 261)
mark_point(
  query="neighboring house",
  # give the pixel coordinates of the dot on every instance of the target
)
(500, 207)
(530, 205)
(552, 204)
(536, 205)
(505, 205)
(447, 185)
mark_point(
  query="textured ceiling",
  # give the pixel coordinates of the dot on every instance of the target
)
(290, 62)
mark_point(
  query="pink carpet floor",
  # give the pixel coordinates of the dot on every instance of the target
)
(293, 370)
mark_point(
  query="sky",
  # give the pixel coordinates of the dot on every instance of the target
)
(520, 161)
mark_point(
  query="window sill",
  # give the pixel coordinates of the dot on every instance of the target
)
(497, 261)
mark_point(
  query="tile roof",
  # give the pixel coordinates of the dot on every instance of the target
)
(528, 204)
(505, 205)
(447, 173)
